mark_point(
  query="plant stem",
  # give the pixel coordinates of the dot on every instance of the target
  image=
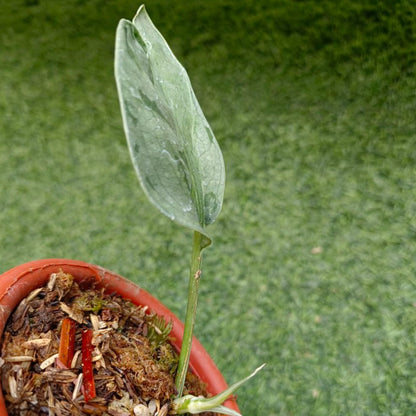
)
(195, 273)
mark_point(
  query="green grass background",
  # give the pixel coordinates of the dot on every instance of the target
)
(313, 104)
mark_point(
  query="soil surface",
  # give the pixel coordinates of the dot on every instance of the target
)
(68, 350)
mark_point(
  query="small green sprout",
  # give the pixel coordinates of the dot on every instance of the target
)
(194, 405)
(158, 331)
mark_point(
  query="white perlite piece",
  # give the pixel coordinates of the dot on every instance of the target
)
(141, 410)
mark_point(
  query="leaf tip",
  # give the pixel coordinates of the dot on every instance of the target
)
(141, 11)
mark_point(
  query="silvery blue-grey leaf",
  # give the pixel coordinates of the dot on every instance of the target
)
(174, 151)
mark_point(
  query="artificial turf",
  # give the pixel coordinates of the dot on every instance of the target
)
(313, 103)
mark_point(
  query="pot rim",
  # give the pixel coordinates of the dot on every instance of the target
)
(18, 282)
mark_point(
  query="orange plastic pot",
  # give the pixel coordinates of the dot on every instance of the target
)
(18, 282)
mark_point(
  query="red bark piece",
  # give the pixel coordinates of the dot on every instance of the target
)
(67, 342)
(87, 367)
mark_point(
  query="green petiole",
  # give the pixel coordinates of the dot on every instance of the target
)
(195, 273)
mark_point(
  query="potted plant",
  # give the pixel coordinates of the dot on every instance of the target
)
(180, 167)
